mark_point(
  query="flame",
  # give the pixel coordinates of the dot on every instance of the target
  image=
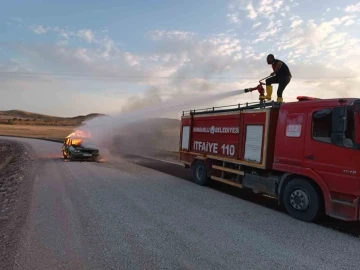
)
(78, 136)
(81, 134)
(76, 141)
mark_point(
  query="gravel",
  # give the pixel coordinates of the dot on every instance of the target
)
(15, 163)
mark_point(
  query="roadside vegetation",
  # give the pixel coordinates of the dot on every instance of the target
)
(40, 132)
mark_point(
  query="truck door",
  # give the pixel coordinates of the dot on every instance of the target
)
(357, 123)
(291, 145)
(334, 162)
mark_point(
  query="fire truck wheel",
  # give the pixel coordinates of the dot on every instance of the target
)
(200, 173)
(302, 200)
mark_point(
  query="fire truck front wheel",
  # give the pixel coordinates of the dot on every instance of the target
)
(200, 173)
(302, 200)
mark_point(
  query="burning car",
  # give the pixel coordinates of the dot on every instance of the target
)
(77, 147)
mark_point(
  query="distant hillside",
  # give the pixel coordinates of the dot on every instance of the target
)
(29, 115)
(29, 118)
(86, 117)
(24, 115)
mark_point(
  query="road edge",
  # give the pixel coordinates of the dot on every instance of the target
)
(12, 228)
(34, 138)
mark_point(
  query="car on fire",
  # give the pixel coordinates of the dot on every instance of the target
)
(74, 149)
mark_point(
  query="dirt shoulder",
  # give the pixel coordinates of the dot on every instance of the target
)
(16, 178)
(171, 156)
(40, 132)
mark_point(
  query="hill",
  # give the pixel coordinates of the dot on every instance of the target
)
(24, 115)
(29, 118)
(30, 115)
(83, 118)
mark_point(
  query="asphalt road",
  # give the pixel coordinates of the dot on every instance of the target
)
(125, 216)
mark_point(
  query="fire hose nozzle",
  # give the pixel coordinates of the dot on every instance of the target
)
(250, 89)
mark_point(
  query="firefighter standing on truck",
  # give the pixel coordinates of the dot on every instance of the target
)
(282, 77)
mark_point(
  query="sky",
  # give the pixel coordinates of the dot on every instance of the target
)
(67, 58)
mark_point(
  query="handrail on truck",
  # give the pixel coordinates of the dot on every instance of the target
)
(243, 106)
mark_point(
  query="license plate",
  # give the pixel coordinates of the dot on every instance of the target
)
(87, 155)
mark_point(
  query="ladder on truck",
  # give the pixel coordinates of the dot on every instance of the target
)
(224, 169)
(236, 107)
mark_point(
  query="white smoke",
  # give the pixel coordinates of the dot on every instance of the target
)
(134, 127)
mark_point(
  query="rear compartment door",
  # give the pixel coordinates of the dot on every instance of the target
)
(216, 134)
(253, 143)
(255, 137)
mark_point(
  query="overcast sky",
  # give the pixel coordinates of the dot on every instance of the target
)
(78, 57)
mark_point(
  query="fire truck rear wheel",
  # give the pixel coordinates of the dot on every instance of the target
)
(200, 173)
(302, 200)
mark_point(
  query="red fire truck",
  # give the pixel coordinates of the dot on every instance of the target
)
(306, 154)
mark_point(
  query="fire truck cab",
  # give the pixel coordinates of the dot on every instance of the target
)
(305, 154)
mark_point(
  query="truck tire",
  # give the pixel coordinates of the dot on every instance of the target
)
(302, 200)
(200, 173)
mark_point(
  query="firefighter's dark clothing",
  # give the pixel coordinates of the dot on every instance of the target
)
(282, 81)
(282, 77)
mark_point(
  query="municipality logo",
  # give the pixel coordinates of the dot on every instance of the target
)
(214, 130)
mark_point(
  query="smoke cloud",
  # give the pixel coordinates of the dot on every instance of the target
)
(141, 131)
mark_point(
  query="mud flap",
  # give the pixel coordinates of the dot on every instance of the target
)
(266, 185)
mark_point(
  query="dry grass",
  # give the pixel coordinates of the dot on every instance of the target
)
(48, 132)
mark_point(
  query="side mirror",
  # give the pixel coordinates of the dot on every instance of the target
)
(339, 125)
